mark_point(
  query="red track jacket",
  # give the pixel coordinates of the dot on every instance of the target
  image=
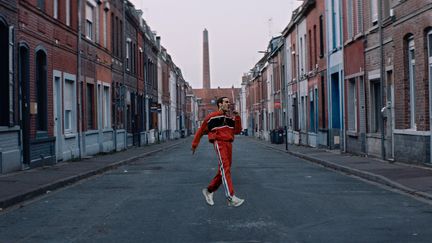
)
(219, 127)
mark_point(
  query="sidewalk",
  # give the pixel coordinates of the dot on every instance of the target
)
(413, 179)
(23, 185)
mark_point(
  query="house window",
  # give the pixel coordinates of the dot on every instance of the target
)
(68, 12)
(386, 8)
(313, 108)
(128, 53)
(315, 55)
(321, 35)
(89, 21)
(90, 106)
(301, 57)
(303, 113)
(105, 28)
(374, 11)
(352, 105)
(41, 84)
(55, 9)
(69, 109)
(411, 77)
(359, 16)
(41, 4)
(375, 88)
(350, 19)
(333, 18)
(106, 107)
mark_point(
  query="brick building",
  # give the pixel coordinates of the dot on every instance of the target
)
(96, 78)
(207, 99)
(47, 38)
(354, 82)
(412, 41)
(10, 156)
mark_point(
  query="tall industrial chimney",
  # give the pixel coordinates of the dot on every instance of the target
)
(206, 61)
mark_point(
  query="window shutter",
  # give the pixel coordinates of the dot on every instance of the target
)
(11, 75)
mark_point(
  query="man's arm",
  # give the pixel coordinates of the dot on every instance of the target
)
(201, 131)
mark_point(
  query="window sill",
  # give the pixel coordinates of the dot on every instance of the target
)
(92, 131)
(352, 133)
(68, 135)
(374, 135)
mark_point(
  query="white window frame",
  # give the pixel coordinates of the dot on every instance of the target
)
(90, 24)
(411, 78)
(72, 119)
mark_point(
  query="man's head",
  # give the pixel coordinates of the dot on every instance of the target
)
(223, 104)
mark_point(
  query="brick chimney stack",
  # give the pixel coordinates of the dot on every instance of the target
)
(206, 61)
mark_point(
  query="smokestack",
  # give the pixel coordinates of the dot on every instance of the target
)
(206, 61)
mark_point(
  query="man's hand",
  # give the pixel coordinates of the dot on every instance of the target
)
(235, 113)
(193, 150)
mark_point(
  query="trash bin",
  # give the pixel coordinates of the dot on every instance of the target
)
(280, 136)
(274, 136)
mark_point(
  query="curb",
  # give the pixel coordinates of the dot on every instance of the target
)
(8, 202)
(362, 174)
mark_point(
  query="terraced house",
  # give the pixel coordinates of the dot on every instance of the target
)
(356, 78)
(80, 78)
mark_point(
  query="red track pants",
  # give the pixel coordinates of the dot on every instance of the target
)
(224, 154)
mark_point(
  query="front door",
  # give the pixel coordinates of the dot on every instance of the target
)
(57, 117)
(25, 101)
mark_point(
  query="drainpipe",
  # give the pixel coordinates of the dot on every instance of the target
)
(328, 13)
(342, 74)
(382, 73)
(125, 2)
(80, 142)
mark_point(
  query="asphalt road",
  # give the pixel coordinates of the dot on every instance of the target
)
(158, 199)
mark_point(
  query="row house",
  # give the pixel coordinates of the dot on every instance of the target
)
(355, 87)
(151, 57)
(79, 78)
(10, 118)
(191, 111)
(411, 77)
(163, 92)
(48, 78)
(344, 63)
(181, 89)
(93, 132)
(305, 75)
(173, 107)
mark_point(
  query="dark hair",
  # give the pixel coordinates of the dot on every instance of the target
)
(220, 100)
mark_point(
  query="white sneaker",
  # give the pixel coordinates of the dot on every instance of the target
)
(208, 196)
(235, 201)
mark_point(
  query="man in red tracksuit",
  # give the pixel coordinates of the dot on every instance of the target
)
(220, 128)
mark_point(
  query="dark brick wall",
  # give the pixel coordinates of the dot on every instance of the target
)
(416, 25)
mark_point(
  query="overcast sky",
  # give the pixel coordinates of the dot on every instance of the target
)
(238, 29)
